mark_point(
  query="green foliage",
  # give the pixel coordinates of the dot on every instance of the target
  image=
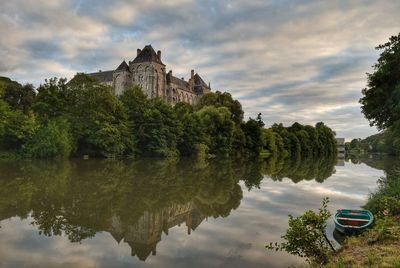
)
(388, 142)
(386, 200)
(298, 140)
(99, 120)
(51, 100)
(381, 100)
(218, 129)
(225, 99)
(193, 135)
(161, 130)
(382, 229)
(306, 236)
(254, 134)
(16, 127)
(16, 95)
(51, 140)
(101, 124)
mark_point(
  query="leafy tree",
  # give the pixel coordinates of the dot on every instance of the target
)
(16, 95)
(52, 140)
(16, 128)
(306, 236)
(225, 99)
(161, 130)
(51, 100)
(254, 134)
(381, 101)
(218, 128)
(193, 136)
(99, 120)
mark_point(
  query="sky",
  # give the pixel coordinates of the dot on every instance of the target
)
(293, 61)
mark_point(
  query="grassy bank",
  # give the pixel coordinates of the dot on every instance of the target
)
(380, 246)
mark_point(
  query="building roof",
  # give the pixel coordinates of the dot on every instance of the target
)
(123, 67)
(147, 54)
(103, 76)
(199, 81)
(199, 84)
(180, 82)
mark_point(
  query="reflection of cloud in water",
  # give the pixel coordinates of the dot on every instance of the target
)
(234, 241)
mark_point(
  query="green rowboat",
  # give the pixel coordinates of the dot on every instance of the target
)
(352, 221)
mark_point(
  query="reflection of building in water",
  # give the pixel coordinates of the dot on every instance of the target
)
(144, 235)
(340, 162)
(340, 147)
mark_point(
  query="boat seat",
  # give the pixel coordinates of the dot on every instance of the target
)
(350, 219)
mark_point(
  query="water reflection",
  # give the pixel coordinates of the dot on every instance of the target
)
(390, 165)
(137, 201)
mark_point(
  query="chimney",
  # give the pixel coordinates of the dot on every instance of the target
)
(138, 52)
(159, 54)
(191, 80)
(169, 76)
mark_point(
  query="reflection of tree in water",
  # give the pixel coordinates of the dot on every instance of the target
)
(136, 201)
(389, 164)
(298, 169)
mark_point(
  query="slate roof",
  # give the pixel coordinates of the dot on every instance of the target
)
(199, 84)
(199, 81)
(182, 83)
(123, 67)
(104, 76)
(148, 54)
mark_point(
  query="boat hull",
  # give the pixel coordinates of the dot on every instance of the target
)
(353, 222)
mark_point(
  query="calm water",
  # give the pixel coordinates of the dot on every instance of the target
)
(149, 213)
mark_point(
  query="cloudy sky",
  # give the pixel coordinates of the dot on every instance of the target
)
(292, 61)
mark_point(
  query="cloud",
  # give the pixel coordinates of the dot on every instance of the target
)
(290, 60)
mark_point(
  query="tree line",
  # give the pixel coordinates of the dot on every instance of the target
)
(84, 117)
(380, 103)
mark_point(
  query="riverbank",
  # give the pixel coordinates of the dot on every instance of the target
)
(379, 247)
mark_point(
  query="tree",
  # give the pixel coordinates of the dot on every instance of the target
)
(16, 128)
(218, 128)
(16, 95)
(51, 140)
(99, 120)
(306, 236)
(161, 130)
(254, 134)
(51, 100)
(381, 100)
(224, 99)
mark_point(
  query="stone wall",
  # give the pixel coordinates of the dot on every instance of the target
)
(122, 80)
(150, 76)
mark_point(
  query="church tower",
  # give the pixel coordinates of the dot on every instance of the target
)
(148, 71)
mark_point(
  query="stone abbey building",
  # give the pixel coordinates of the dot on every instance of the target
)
(149, 72)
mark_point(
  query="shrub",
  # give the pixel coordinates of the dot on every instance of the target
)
(306, 236)
(51, 140)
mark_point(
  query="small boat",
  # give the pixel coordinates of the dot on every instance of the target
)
(352, 221)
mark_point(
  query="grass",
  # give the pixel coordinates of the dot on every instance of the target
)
(379, 247)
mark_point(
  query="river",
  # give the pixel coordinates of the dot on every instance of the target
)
(154, 213)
